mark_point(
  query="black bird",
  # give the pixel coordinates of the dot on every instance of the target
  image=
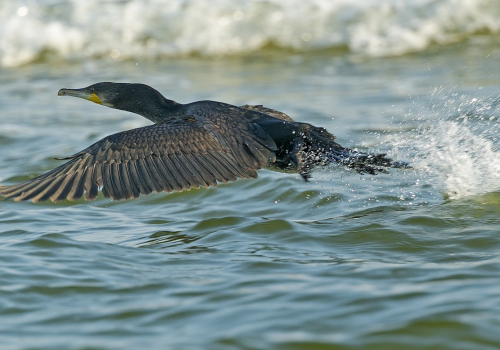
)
(189, 145)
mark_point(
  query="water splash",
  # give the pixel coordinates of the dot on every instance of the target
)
(456, 154)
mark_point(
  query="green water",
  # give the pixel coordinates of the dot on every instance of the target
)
(406, 260)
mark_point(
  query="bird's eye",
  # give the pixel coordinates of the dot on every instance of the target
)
(92, 90)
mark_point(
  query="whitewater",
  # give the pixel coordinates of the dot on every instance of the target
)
(154, 29)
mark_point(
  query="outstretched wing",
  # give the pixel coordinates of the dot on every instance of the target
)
(172, 156)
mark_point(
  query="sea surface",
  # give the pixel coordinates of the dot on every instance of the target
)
(404, 260)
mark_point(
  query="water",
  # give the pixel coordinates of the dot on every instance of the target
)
(407, 260)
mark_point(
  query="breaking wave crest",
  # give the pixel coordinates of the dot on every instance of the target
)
(154, 29)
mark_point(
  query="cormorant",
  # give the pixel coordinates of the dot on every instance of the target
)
(189, 145)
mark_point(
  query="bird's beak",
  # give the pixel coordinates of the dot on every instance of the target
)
(81, 93)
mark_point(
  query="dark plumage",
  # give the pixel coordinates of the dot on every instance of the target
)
(189, 145)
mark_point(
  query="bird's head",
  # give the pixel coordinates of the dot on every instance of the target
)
(136, 98)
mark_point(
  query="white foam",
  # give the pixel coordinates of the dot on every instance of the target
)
(141, 29)
(465, 163)
(457, 155)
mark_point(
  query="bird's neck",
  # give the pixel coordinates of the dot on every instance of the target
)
(158, 112)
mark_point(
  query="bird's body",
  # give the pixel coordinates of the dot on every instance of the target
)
(189, 145)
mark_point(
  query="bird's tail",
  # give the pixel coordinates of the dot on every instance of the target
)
(316, 146)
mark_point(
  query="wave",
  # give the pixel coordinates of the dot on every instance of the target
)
(155, 29)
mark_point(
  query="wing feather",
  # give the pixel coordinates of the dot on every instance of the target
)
(208, 178)
(65, 186)
(76, 191)
(107, 180)
(211, 168)
(166, 177)
(180, 173)
(170, 173)
(119, 186)
(136, 178)
(147, 176)
(129, 187)
(42, 193)
(172, 156)
(159, 180)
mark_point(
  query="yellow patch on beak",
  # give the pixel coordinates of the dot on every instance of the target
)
(94, 98)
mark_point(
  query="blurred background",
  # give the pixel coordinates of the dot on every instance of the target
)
(408, 260)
